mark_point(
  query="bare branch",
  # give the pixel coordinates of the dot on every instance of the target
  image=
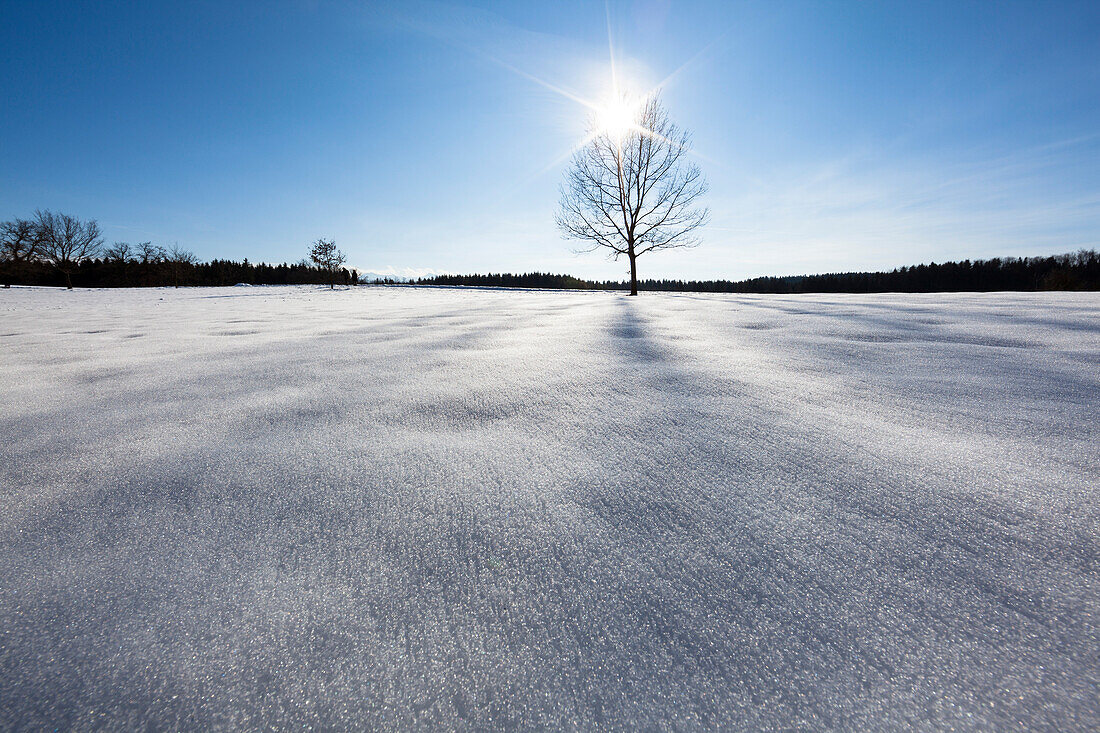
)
(19, 240)
(150, 253)
(119, 252)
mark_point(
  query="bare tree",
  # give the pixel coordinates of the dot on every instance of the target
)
(325, 254)
(150, 253)
(629, 190)
(19, 243)
(180, 259)
(65, 241)
(119, 252)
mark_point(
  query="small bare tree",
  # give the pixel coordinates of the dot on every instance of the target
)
(180, 260)
(150, 253)
(325, 254)
(629, 189)
(65, 241)
(118, 252)
(19, 244)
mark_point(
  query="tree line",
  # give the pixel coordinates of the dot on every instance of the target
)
(1075, 271)
(134, 273)
(58, 249)
(508, 280)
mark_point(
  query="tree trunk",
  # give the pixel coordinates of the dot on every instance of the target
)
(68, 280)
(633, 271)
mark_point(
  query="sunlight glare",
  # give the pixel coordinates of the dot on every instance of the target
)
(617, 117)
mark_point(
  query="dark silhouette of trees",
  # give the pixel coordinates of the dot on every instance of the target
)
(149, 253)
(630, 191)
(152, 259)
(327, 257)
(51, 249)
(19, 243)
(508, 280)
(65, 241)
(1075, 271)
(118, 252)
(180, 261)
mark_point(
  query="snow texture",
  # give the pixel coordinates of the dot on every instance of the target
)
(403, 508)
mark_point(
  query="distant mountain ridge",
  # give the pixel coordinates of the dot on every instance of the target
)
(369, 277)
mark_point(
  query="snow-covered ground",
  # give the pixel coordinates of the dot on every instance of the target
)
(400, 508)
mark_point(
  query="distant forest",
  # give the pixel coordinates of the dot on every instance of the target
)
(1077, 271)
(158, 271)
(151, 266)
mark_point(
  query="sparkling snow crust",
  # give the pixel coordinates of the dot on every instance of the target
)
(396, 507)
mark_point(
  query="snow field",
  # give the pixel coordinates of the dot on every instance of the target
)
(406, 508)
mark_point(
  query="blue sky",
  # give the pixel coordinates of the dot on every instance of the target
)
(835, 135)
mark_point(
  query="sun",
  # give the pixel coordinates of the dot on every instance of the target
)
(617, 117)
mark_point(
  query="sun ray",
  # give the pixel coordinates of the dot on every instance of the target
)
(615, 117)
(611, 51)
(646, 132)
(542, 82)
(686, 65)
(565, 156)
